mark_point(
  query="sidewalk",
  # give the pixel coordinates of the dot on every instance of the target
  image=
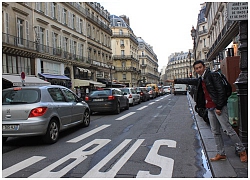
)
(232, 167)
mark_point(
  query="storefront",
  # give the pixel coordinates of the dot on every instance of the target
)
(15, 80)
(56, 79)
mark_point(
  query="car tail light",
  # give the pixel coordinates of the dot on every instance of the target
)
(111, 97)
(86, 98)
(39, 111)
(130, 96)
(141, 93)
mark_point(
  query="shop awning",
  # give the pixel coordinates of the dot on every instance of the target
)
(79, 82)
(54, 76)
(29, 80)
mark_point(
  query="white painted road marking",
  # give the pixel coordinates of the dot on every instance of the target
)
(21, 165)
(95, 173)
(141, 108)
(151, 103)
(159, 107)
(78, 156)
(83, 136)
(126, 115)
(166, 164)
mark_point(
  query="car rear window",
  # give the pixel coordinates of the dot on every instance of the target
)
(20, 96)
(100, 93)
(125, 90)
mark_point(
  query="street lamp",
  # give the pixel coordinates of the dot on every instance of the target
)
(190, 74)
(193, 34)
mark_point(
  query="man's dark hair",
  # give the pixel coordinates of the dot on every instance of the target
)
(199, 62)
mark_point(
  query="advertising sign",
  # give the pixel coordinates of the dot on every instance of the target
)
(237, 11)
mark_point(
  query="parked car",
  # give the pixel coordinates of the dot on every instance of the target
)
(144, 95)
(41, 110)
(132, 95)
(167, 89)
(151, 92)
(155, 88)
(107, 100)
(160, 88)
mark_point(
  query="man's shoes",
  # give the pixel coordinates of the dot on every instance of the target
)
(243, 156)
(218, 157)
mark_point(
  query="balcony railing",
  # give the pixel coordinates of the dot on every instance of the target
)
(40, 48)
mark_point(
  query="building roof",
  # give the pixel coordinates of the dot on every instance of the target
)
(118, 22)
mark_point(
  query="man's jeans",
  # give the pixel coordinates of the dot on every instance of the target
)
(216, 122)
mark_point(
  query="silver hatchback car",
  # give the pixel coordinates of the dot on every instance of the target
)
(41, 110)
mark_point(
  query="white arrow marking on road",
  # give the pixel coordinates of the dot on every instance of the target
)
(126, 115)
(83, 136)
(154, 158)
(21, 165)
(95, 173)
(141, 107)
(78, 156)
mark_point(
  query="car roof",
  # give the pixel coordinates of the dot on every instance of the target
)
(35, 87)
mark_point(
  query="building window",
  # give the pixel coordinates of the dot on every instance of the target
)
(124, 77)
(20, 33)
(64, 15)
(122, 42)
(53, 10)
(122, 52)
(46, 9)
(120, 32)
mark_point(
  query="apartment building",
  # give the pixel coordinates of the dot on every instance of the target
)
(148, 63)
(202, 41)
(125, 52)
(66, 43)
(222, 32)
(180, 65)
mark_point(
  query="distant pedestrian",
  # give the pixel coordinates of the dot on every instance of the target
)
(211, 95)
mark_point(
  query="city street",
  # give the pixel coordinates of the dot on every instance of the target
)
(151, 139)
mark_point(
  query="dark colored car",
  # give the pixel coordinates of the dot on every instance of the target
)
(143, 93)
(107, 100)
(41, 110)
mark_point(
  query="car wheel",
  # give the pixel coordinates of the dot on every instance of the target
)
(118, 110)
(139, 102)
(86, 119)
(4, 139)
(52, 133)
(133, 103)
(127, 106)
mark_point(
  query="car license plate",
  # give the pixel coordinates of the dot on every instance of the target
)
(10, 127)
(97, 99)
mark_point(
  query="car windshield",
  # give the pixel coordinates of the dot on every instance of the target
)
(100, 93)
(20, 96)
(125, 90)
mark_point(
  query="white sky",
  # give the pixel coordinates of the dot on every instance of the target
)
(165, 25)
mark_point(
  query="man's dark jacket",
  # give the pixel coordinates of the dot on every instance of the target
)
(214, 86)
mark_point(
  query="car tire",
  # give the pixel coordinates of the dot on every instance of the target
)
(86, 119)
(4, 139)
(139, 102)
(52, 133)
(118, 109)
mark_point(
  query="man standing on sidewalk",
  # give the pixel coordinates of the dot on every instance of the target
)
(212, 95)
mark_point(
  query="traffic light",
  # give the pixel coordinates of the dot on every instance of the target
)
(190, 75)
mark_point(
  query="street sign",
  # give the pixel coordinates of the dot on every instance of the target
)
(22, 78)
(237, 11)
(23, 75)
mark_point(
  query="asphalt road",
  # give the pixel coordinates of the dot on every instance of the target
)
(157, 138)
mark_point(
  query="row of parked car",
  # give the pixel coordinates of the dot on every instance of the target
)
(47, 110)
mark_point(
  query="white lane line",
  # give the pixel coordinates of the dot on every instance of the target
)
(141, 108)
(126, 115)
(151, 103)
(95, 171)
(83, 136)
(159, 107)
(21, 165)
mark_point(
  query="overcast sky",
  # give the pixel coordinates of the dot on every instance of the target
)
(165, 25)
